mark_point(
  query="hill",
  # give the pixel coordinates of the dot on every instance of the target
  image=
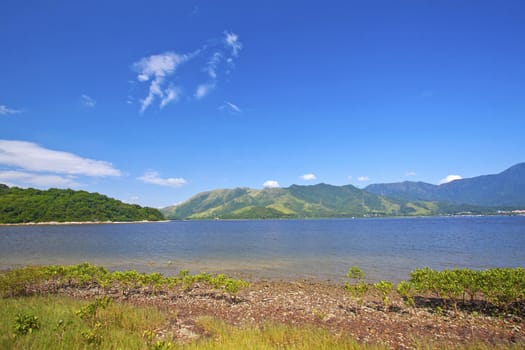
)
(506, 189)
(19, 205)
(315, 201)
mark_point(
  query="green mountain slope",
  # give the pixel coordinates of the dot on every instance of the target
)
(506, 189)
(30, 205)
(315, 201)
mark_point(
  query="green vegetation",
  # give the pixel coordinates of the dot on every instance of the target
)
(31, 205)
(120, 326)
(504, 288)
(26, 323)
(32, 318)
(60, 327)
(271, 336)
(22, 281)
(317, 201)
(385, 288)
(497, 290)
(358, 288)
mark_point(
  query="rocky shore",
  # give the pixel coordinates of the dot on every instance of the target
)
(322, 305)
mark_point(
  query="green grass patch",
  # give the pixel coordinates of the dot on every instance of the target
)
(271, 336)
(117, 326)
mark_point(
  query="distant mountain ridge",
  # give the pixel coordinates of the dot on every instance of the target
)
(315, 201)
(482, 194)
(506, 189)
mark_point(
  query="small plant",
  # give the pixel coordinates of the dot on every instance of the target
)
(385, 288)
(26, 324)
(60, 329)
(89, 312)
(355, 273)
(405, 290)
(359, 288)
(439, 311)
(162, 345)
(154, 343)
(319, 314)
(93, 336)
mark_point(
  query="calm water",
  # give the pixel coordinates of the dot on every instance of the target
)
(319, 249)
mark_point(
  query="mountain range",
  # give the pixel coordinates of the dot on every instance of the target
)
(483, 194)
(506, 189)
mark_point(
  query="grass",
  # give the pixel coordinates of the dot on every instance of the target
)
(123, 326)
(270, 336)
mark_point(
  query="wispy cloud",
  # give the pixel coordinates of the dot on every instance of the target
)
(271, 184)
(170, 94)
(203, 90)
(161, 71)
(410, 174)
(213, 63)
(88, 101)
(363, 178)
(230, 107)
(232, 41)
(153, 177)
(309, 177)
(33, 157)
(4, 110)
(155, 69)
(27, 179)
(449, 178)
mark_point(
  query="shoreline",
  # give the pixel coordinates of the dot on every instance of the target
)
(309, 304)
(54, 223)
(51, 223)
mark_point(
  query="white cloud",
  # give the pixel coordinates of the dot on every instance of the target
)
(349, 177)
(25, 179)
(171, 94)
(449, 178)
(271, 184)
(308, 177)
(410, 173)
(213, 62)
(210, 58)
(203, 90)
(32, 157)
(153, 177)
(232, 40)
(156, 68)
(363, 178)
(231, 107)
(5, 111)
(88, 101)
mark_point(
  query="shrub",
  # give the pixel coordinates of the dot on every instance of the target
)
(26, 323)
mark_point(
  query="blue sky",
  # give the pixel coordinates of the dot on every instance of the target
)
(152, 102)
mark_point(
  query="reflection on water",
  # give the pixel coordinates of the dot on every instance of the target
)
(318, 249)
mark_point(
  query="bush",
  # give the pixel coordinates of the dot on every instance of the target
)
(25, 323)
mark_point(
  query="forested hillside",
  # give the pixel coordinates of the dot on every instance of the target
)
(19, 205)
(316, 201)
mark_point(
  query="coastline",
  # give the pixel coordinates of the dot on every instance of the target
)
(302, 303)
(53, 223)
